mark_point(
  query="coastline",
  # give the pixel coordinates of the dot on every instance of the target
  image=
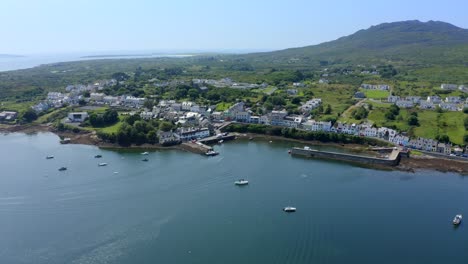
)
(412, 164)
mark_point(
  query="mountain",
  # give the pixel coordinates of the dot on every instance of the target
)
(408, 42)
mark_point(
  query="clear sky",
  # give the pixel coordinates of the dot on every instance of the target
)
(60, 26)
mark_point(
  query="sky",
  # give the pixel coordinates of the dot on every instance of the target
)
(64, 26)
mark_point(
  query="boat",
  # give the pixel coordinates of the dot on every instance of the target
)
(145, 153)
(98, 156)
(116, 172)
(289, 209)
(221, 141)
(102, 164)
(457, 219)
(144, 159)
(211, 153)
(62, 169)
(50, 157)
(241, 182)
(250, 138)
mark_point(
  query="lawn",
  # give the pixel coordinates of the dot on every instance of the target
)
(223, 106)
(376, 94)
(111, 129)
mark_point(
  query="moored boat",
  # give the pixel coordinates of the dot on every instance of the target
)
(145, 153)
(62, 169)
(211, 153)
(289, 209)
(457, 219)
(144, 159)
(50, 157)
(102, 164)
(241, 182)
(98, 156)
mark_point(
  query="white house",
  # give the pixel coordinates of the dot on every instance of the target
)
(193, 133)
(98, 97)
(404, 104)
(77, 117)
(453, 99)
(434, 99)
(393, 98)
(426, 105)
(446, 86)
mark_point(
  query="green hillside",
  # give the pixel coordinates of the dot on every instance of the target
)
(408, 42)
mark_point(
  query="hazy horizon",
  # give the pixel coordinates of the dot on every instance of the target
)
(84, 26)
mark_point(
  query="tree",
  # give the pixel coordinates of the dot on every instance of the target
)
(148, 104)
(413, 121)
(165, 126)
(29, 115)
(193, 93)
(465, 110)
(81, 102)
(466, 123)
(328, 109)
(443, 138)
(296, 100)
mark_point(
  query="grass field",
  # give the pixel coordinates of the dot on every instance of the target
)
(223, 106)
(375, 94)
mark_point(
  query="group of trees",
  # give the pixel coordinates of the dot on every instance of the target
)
(109, 117)
(413, 119)
(134, 130)
(360, 113)
(392, 112)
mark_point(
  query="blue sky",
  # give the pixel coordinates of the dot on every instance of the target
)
(60, 26)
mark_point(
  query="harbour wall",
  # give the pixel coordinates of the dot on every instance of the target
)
(392, 160)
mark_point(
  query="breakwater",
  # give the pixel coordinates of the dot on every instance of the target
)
(392, 160)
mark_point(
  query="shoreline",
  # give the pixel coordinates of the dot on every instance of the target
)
(412, 164)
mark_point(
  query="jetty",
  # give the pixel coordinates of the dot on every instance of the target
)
(392, 159)
(216, 139)
(196, 147)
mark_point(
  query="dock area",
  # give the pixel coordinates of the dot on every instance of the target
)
(196, 147)
(393, 158)
(216, 139)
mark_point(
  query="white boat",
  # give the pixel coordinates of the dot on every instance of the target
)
(50, 157)
(457, 219)
(211, 153)
(221, 141)
(116, 172)
(102, 164)
(241, 182)
(289, 209)
(145, 153)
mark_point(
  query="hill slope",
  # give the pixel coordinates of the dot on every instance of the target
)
(408, 42)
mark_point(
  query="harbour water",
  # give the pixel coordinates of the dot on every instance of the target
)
(184, 208)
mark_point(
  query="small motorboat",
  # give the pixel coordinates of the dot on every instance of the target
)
(250, 138)
(50, 157)
(102, 164)
(62, 169)
(289, 209)
(211, 153)
(145, 153)
(241, 182)
(116, 172)
(98, 156)
(144, 159)
(221, 141)
(457, 219)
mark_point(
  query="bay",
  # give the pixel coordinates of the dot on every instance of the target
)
(184, 208)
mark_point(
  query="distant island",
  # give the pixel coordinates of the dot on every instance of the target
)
(134, 55)
(10, 56)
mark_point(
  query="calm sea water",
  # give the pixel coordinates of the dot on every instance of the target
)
(184, 208)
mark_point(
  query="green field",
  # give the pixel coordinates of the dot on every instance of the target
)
(375, 94)
(223, 106)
